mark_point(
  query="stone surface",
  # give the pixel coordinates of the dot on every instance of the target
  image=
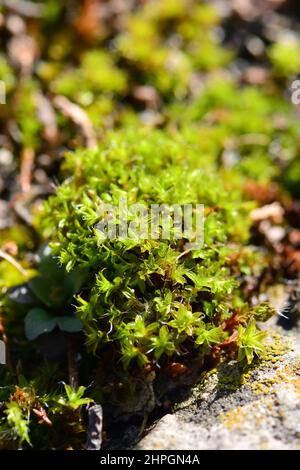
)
(231, 410)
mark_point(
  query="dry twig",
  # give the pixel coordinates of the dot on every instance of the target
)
(79, 116)
(27, 162)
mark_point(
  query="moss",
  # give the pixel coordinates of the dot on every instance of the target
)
(27, 410)
(284, 56)
(147, 315)
(146, 300)
(27, 115)
(6, 74)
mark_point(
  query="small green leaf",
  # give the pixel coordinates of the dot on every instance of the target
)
(250, 341)
(69, 324)
(208, 335)
(74, 398)
(263, 311)
(37, 322)
(52, 293)
(50, 267)
(17, 421)
(185, 320)
(163, 343)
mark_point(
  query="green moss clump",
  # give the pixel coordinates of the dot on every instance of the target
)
(6, 74)
(29, 406)
(252, 132)
(27, 115)
(148, 300)
(136, 316)
(284, 57)
(95, 84)
(166, 42)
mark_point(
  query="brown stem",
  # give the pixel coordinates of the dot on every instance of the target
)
(79, 116)
(27, 162)
(72, 365)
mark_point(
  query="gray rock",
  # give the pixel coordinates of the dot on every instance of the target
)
(232, 410)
